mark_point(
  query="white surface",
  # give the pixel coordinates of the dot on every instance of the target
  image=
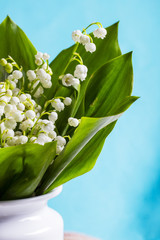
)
(30, 219)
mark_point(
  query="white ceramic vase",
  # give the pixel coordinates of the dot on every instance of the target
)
(31, 219)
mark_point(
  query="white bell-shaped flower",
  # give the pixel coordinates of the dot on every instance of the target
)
(30, 114)
(39, 55)
(81, 72)
(17, 74)
(53, 116)
(67, 80)
(90, 47)
(46, 56)
(57, 104)
(27, 124)
(100, 33)
(8, 133)
(18, 116)
(67, 101)
(22, 139)
(31, 75)
(59, 149)
(76, 35)
(73, 122)
(52, 134)
(84, 39)
(10, 123)
(61, 141)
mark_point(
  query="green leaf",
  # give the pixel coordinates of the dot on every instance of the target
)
(14, 42)
(82, 151)
(108, 86)
(22, 168)
(84, 161)
(83, 134)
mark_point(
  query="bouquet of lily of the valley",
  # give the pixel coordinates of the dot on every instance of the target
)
(54, 118)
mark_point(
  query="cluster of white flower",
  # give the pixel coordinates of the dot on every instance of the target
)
(81, 70)
(86, 39)
(80, 73)
(20, 116)
(41, 77)
(22, 120)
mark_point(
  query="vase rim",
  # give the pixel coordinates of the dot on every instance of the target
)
(56, 191)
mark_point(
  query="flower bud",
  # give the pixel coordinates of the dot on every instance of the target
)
(3, 62)
(67, 101)
(8, 67)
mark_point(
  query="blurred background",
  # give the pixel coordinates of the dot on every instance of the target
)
(120, 198)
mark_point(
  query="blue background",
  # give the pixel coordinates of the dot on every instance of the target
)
(120, 198)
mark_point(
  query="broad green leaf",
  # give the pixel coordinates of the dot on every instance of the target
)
(85, 160)
(86, 130)
(108, 86)
(83, 149)
(14, 42)
(22, 168)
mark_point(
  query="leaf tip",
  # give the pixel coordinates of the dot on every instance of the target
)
(8, 18)
(114, 25)
(130, 53)
(137, 97)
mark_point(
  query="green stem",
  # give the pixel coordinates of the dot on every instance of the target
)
(35, 89)
(94, 23)
(70, 60)
(75, 59)
(67, 137)
(77, 54)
